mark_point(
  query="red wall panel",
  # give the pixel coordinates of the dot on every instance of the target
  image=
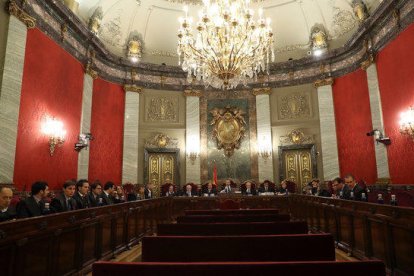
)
(107, 126)
(52, 86)
(396, 80)
(356, 151)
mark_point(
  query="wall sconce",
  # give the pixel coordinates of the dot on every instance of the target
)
(54, 130)
(193, 149)
(83, 141)
(407, 122)
(265, 148)
(379, 137)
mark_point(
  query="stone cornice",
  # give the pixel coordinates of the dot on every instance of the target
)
(15, 10)
(323, 82)
(262, 91)
(380, 28)
(133, 88)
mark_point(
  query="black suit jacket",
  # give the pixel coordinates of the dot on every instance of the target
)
(107, 199)
(132, 197)
(169, 194)
(212, 192)
(94, 201)
(8, 215)
(358, 190)
(82, 202)
(146, 194)
(192, 193)
(345, 191)
(59, 204)
(30, 208)
(269, 190)
(251, 192)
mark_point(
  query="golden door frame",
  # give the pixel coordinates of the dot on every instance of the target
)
(176, 152)
(283, 149)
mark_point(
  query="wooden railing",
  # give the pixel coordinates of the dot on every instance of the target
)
(68, 243)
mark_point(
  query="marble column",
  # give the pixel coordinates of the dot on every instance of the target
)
(264, 134)
(10, 89)
(131, 127)
(85, 126)
(377, 122)
(192, 136)
(329, 144)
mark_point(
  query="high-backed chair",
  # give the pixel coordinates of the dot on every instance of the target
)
(165, 187)
(291, 186)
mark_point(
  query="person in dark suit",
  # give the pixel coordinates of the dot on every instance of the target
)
(266, 188)
(356, 192)
(170, 191)
(248, 189)
(107, 197)
(95, 194)
(343, 191)
(81, 195)
(6, 211)
(34, 205)
(148, 191)
(189, 191)
(227, 187)
(209, 190)
(64, 202)
(283, 188)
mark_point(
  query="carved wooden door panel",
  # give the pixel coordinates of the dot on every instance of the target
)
(161, 170)
(297, 166)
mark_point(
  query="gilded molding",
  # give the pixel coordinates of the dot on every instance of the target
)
(15, 10)
(323, 82)
(262, 91)
(133, 88)
(192, 93)
(91, 72)
(367, 63)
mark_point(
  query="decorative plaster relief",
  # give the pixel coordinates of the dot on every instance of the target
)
(295, 106)
(161, 109)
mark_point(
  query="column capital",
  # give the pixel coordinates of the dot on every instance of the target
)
(262, 91)
(20, 14)
(91, 72)
(192, 93)
(323, 82)
(367, 63)
(133, 88)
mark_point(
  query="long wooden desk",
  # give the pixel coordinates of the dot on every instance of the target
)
(68, 243)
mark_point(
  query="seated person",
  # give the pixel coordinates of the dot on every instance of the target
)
(130, 191)
(108, 193)
(317, 189)
(6, 211)
(227, 187)
(356, 191)
(141, 192)
(248, 189)
(118, 195)
(64, 202)
(283, 188)
(81, 195)
(209, 190)
(148, 193)
(95, 194)
(170, 191)
(189, 191)
(341, 189)
(34, 205)
(266, 188)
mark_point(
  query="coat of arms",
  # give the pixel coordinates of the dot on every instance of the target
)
(229, 128)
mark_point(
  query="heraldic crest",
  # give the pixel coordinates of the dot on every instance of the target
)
(228, 128)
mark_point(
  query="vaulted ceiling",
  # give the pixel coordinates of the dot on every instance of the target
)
(155, 22)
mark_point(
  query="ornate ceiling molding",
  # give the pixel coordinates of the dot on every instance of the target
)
(20, 14)
(389, 19)
(262, 91)
(323, 82)
(192, 93)
(133, 88)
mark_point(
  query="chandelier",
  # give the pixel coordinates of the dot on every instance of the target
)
(407, 122)
(229, 47)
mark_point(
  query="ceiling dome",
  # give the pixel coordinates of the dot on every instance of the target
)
(155, 24)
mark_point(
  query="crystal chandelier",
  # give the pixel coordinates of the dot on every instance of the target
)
(229, 47)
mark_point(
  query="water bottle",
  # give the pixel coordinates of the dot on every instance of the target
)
(380, 200)
(363, 197)
(393, 201)
(47, 208)
(100, 201)
(352, 195)
(341, 194)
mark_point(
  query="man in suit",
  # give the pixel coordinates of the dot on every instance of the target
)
(34, 205)
(170, 191)
(248, 189)
(81, 195)
(342, 190)
(148, 191)
(356, 192)
(189, 191)
(64, 202)
(107, 197)
(95, 194)
(209, 190)
(266, 188)
(227, 187)
(6, 212)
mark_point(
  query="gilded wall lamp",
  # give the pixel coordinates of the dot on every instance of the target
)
(407, 122)
(54, 130)
(265, 147)
(193, 148)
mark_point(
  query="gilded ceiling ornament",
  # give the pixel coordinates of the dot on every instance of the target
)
(262, 91)
(192, 93)
(296, 137)
(294, 107)
(228, 128)
(95, 21)
(133, 88)
(367, 63)
(20, 14)
(323, 82)
(161, 140)
(318, 37)
(90, 71)
(360, 10)
(134, 49)
(162, 109)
